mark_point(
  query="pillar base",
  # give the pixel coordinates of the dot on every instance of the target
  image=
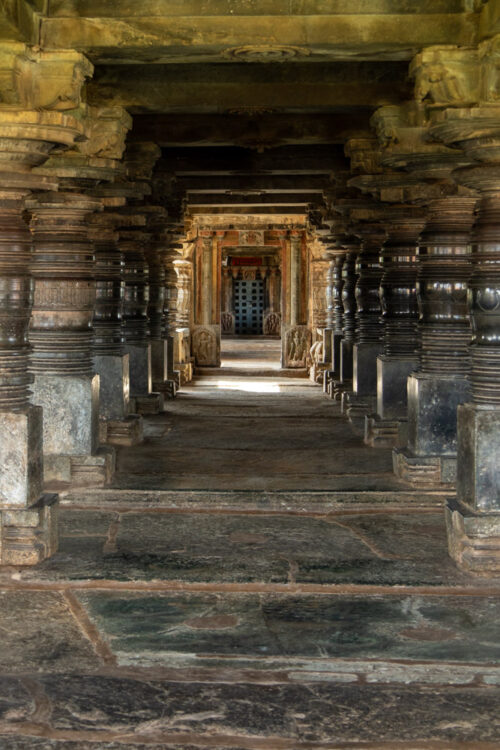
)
(87, 470)
(140, 369)
(478, 468)
(473, 539)
(114, 391)
(364, 368)
(70, 413)
(328, 347)
(432, 412)
(385, 433)
(21, 472)
(29, 535)
(356, 408)
(185, 370)
(424, 470)
(127, 432)
(167, 388)
(151, 403)
(392, 391)
(338, 387)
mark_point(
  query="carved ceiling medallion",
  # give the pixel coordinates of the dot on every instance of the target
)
(265, 53)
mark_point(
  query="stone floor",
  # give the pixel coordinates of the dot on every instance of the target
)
(255, 579)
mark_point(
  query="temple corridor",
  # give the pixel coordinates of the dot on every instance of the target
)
(249, 374)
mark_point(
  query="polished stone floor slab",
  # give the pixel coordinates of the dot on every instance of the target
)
(38, 632)
(228, 548)
(190, 713)
(161, 627)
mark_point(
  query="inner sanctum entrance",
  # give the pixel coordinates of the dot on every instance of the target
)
(248, 306)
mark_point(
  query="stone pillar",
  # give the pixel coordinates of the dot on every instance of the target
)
(348, 298)
(400, 318)
(135, 238)
(28, 517)
(441, 382)
(183, 362)
(61, 336)
(161, 343)
(368, 338)
(205, 338)
(227, 314)
(296, 336)
(272, 317)
(170, 310)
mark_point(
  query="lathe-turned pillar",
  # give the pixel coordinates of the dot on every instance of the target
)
(368, 336)
(348, 299)
(400, 318)
(295, 334)
(206, 331)
(442, 380)
(28, 517)
(184, 314)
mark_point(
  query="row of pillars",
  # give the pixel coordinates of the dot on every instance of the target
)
(414, 292)
(88, 293)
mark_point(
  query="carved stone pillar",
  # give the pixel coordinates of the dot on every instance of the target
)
(205, 337)
(272, 317)
(350, 245)
(295, 336)
(183, 362)
(368, 337)
(227, 313)
(135, 238)
(441, 382)
(170, 310)
(61, 336)
(160, 340)
(400, 318)
(28, 133)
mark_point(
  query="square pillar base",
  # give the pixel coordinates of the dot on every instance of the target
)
(29, 535)
(392, 391)
(356, 408)
(364, 369)
(473, 539)
(151, 403)
(432, 412)
(328, 347)
(385, 433)
(127, 432)
(336, 341)
(87, 470)
(21, 456)
(421, 471)
(70, 413)
(346, 366)
(114, 391)
(478, 468)
(167, 388)
(185, 370)
(140, 369)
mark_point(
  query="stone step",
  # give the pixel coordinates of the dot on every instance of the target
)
(284, 501)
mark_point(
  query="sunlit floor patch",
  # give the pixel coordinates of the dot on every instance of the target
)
(249, 386)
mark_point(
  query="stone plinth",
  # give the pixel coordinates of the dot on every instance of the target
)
(392, 375)
(364, 369)
(113, 371)
(432, 428)
(21, 455)
(29, 535)
(473, 518)
(141, 380)
(71, 428)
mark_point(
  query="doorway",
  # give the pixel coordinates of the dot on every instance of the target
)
(248, 307)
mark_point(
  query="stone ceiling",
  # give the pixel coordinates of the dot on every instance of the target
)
(251, 100)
